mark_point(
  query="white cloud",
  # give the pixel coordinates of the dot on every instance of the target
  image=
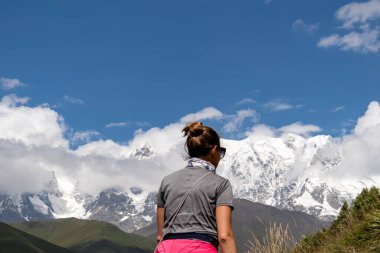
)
(348, 123)
(23, 167)
(10, 83)
(300, 25)
(37, 135)
(354, 13)
(363, 41)
(246, 101)
(360, 150)
(360, 21)
(236, 121)
(84, 136)
(117, 124)
(12, 100)
(142, 124)
(107, 148)
(338, 109)
(300, 129)
(32, 144)
(162, 140)
(261, 131)
(206, 113)
(329, 41)
(370, 120)
(278, 106)
(31, 126)
(73, 100)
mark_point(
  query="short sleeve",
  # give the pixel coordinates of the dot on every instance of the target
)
(224, 195)
(160, 197)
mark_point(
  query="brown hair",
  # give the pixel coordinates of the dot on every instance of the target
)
(200, 139)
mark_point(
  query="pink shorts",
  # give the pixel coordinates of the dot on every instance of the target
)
(185, 246)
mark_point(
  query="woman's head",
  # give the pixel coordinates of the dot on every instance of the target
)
(202, 141)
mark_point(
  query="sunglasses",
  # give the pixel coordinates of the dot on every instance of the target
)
(222, 152)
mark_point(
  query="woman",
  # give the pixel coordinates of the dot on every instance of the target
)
(194, 205)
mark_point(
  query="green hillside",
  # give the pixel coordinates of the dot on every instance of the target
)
(356, 229)
(15, 241)
(83, 236)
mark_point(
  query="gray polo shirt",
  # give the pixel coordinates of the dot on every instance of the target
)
(198, 212)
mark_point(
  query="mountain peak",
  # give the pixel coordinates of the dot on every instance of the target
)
(144, 152)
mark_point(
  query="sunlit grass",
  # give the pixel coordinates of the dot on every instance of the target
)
(277, 239)
(356, 229)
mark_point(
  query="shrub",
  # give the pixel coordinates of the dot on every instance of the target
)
(356, 229)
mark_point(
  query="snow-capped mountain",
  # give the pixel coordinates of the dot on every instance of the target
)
(281, 172)
(273, 171)
(145, 152)
(129, 210)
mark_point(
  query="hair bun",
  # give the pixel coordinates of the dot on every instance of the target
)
(193, 129)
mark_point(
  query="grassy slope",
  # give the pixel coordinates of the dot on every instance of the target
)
(16, 241)
(356, 229)
(87, 236)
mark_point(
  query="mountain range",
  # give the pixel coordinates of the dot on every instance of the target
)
(274, 171)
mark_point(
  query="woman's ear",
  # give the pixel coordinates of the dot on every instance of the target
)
(212, 153)
(215, 156)
(215, 149)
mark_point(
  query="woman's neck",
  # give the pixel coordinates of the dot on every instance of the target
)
(208, 159)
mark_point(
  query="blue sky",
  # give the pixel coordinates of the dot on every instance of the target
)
(149, 63)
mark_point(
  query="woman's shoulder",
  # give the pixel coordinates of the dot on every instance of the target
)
(178, 175)
(221, 178)
(175, 174)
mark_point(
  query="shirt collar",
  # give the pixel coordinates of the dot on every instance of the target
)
(197, 162)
